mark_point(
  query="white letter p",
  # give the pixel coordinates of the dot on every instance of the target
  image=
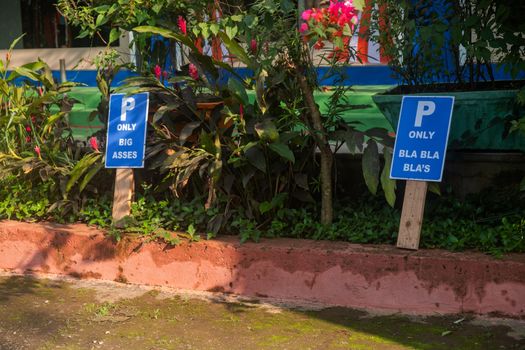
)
(424, 108)
(128, 104)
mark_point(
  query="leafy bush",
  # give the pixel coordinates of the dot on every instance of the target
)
(36, 141)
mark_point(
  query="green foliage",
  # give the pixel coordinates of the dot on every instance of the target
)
(36, 141)
(252, 151)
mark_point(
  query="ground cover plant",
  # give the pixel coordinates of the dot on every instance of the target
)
(490, 221)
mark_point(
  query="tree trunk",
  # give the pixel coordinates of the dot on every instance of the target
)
(324, 147)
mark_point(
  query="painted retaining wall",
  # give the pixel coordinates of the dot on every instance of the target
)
(329, 273)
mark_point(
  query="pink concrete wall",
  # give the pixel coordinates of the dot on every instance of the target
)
(330, 273)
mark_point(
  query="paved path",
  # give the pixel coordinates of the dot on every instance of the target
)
(69, 314)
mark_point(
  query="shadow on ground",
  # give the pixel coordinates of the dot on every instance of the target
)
(46, 314)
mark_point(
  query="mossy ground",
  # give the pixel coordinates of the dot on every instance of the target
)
(51, 314)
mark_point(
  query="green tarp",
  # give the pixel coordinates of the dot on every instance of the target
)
(368, 114)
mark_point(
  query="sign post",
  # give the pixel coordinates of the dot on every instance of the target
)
(126, 144)
(419, 156)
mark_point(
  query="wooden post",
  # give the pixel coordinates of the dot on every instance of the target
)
(63, 78)
(123, 195)
(412, 215)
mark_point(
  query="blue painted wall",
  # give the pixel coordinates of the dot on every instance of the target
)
(354, 75)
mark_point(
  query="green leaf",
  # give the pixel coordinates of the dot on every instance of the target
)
(166, 34)
(231, 32)
(256, 157)
(238, 89)
(187, 130)
(265, 207)
(13, 44)
(114, 35)
(101, 20)
(214, 28)
(236, 49)
(276, 202)
(434, 188)
(83, 34)
(236, 18)
(522, 184)
(371, 166)
(80, 168)
(282, 150)
(204, 30)
(389, 185)
(87, 178)
(267, 131)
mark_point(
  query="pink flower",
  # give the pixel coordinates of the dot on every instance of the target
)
(28, 139)
(253, 46)
(37, 150)
(303, 28)
(157, 71)
(94, 144)
(183, 26)
(40, 91)
(194, 73)
(318, 16)
(306, 15)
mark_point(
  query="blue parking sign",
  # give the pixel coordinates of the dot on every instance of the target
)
(421, 138)
(126, 137)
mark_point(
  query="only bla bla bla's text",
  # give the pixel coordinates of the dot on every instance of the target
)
(405, 153)
(421, 135)
(416, 168)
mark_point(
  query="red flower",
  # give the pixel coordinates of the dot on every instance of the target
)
(28, 128)
(183, 26)
(165, 74)
(28, 139)
(319, 45)
(303, 28)
(40, 91)
(33, 118)
(194, 73)
(253, 46)
(37, 150)
(93, 143)
(241, 111)
(157, 71)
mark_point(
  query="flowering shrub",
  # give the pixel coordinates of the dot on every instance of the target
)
(334, 24)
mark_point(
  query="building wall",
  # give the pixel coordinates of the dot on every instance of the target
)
(80, 58)
(10, 23)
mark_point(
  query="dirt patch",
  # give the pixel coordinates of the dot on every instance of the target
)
(49, 314)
